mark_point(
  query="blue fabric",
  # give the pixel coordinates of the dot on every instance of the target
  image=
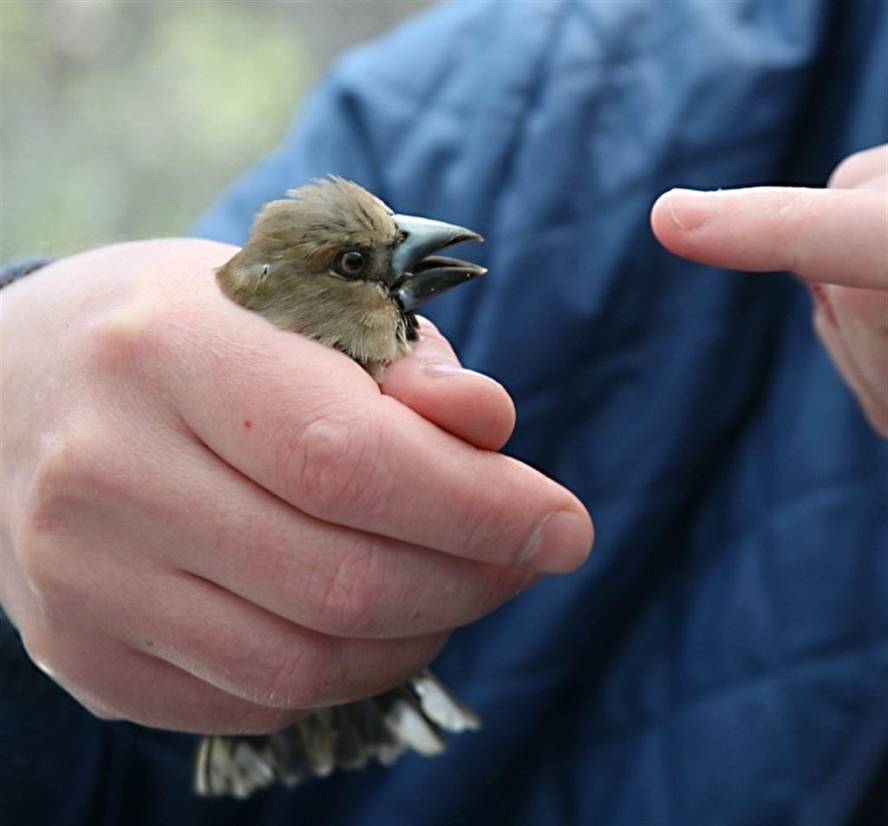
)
(723, 657)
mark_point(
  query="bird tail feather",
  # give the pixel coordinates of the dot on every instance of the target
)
(416, 715)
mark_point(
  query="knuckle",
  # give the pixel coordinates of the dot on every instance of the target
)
(485, 532)
(292, 679)
(122, 339)
(44, 567)
(48, 645)
(37, 645)
(282, 673)
(67, 476)
(41, 647)
(351, 592)
(330, 465)
(68, 468)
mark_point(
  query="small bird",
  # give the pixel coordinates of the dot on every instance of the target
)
(334, 263)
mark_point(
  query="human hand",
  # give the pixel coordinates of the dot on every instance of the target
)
(211, 525)
(835, 240)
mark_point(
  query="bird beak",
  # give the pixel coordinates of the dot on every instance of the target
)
(419, 275)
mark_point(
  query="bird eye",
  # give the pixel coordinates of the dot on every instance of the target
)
(352, 263)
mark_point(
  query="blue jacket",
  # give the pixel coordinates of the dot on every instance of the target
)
(723, 656)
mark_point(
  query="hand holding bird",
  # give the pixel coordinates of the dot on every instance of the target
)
(214, 526)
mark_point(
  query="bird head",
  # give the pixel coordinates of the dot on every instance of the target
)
(333, 235)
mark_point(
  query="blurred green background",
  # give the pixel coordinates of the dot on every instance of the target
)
(122, 119)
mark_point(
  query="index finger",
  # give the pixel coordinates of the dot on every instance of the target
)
(833, 236)
(308, 425)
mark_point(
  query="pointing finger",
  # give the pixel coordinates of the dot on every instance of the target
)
(834, 236)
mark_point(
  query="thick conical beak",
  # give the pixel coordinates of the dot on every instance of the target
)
(419, 274)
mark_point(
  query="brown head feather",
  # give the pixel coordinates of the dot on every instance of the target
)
(342, 206)
(286, 271)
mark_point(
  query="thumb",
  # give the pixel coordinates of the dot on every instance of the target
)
(469, 405)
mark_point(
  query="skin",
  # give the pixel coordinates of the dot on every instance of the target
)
(238, 517)
(835, 240)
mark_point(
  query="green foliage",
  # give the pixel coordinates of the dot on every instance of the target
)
(124, 120)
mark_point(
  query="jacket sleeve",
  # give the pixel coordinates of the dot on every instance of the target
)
(19, 269)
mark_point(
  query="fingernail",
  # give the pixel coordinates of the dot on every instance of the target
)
(690, 208)
(560, 543)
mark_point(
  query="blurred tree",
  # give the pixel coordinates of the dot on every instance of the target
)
(124, 119)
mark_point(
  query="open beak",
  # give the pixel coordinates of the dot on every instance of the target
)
(419, 274)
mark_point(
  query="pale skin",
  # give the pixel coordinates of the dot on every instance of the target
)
(835, 240)
(210, 525)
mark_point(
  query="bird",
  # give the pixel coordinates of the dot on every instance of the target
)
(334, 263)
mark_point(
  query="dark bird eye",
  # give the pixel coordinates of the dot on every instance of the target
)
(352, 263)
